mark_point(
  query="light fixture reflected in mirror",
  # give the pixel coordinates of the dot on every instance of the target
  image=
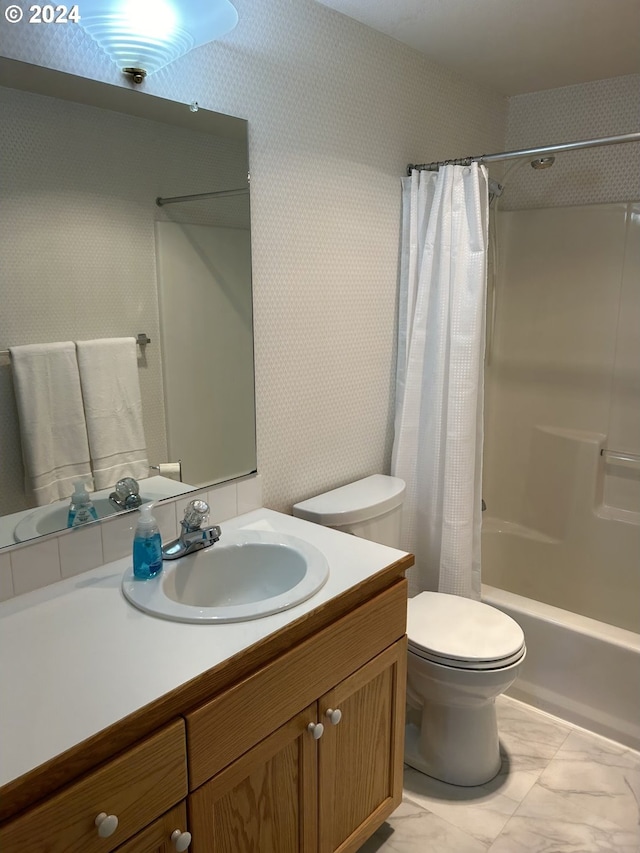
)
(142, 36)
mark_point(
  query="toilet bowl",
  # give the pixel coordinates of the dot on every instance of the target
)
(462, 654)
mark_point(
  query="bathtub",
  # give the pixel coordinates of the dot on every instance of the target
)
(579, 669)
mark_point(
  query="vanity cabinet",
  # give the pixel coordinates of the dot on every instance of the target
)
(294, 746)
(326, 776)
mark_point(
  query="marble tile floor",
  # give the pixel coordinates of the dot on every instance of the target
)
(561, 790)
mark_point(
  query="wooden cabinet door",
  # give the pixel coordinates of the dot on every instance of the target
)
(156, 838)
(361, 756)
(265, 801)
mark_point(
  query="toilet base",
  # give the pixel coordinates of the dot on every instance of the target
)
(455, 745)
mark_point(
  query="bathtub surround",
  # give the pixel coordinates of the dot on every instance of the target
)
(564, 384)
(440, 375)
(561, 536)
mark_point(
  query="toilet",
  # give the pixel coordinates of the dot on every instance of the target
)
(462, 654)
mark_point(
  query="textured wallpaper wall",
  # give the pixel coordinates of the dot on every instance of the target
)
(587, 111)
(335, 112)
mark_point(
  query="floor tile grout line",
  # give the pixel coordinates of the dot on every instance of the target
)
(532, 790)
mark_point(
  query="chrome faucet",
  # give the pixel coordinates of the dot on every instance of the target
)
(125, 494)
(193, 536)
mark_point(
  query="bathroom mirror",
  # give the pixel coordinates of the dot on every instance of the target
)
(87, 253)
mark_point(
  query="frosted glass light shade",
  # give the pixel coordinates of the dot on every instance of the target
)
(149, 34)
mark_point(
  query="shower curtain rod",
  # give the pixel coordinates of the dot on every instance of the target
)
(527, 152)
(219, 194)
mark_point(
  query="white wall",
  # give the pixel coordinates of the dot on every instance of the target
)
(586, 111)
(335, 111)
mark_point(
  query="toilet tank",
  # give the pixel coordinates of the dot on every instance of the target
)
(369, 508)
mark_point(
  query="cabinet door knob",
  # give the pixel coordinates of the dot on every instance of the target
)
(107, 824)
(334, 715)
(316, 729)
(181, 840)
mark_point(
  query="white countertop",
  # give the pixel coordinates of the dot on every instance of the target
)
(77, 657)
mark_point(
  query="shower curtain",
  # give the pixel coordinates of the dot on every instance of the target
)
(439, 393)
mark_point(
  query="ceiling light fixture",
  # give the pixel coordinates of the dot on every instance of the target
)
(142, 36)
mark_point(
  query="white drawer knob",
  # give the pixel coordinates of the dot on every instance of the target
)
(107, 824)
(316, 729)
(181, 840)
(334, 715)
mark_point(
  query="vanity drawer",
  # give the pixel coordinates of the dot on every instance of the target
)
(233, 722)
(156, 837)
(137, 787)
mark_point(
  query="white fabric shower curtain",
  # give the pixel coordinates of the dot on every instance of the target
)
(440, 384)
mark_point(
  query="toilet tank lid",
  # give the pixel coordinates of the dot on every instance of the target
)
(355, 502)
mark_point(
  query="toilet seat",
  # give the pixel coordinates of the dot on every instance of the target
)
(458, 632)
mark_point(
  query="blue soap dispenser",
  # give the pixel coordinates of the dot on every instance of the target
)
(147, 546)
(81, 510)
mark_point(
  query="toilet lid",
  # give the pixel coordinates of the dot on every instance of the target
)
(456, 631)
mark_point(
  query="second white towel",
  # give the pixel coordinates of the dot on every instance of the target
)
(113, 409)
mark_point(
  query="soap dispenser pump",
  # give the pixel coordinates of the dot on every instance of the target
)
(81, 510)
(147, 546)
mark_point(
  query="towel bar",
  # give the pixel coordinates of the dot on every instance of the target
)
(141, 339)
(629, 460)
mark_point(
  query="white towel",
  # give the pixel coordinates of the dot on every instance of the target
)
(55, 449)
(113, 409)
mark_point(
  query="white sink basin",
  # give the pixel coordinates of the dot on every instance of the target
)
(51, 518)
(246, 575)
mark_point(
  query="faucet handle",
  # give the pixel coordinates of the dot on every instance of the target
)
(126, 494)
(196, 513)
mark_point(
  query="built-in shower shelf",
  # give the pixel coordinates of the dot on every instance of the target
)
(614, 513)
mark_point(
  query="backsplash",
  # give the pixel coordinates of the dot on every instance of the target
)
(24, 568)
